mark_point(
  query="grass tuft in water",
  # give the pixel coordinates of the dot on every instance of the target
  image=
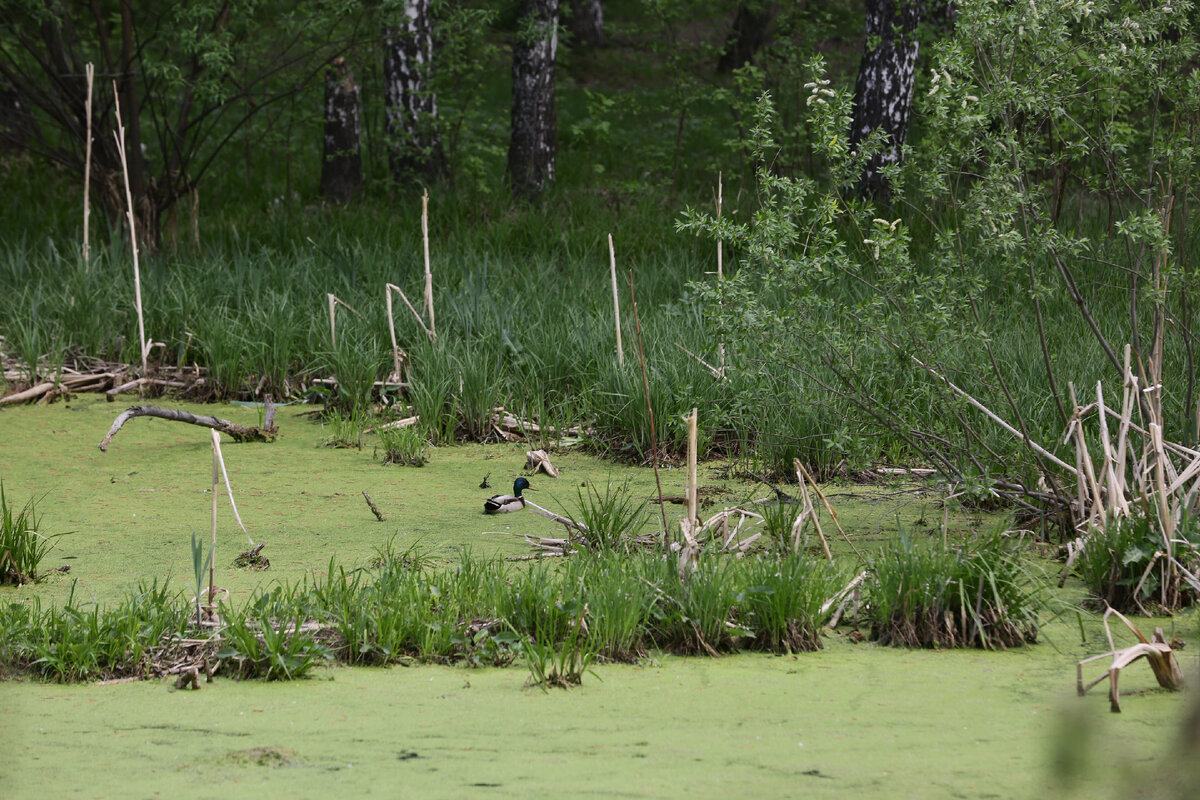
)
(932, 595)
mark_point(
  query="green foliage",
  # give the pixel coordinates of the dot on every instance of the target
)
(784, 603)
(200, 565)
(403, 446)
(22, 547)
(84, 642)
(561, 665)
(266, 638)
(344, 430)
(1121, 564)
(931, 595)
(613, 519)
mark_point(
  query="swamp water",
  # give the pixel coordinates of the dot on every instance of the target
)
(853, 720)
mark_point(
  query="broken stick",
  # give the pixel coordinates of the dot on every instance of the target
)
(374, 508)
(240, 433)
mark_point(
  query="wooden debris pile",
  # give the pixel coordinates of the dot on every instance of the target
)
(1138, 472)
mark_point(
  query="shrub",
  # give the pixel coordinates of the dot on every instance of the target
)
(403, 446)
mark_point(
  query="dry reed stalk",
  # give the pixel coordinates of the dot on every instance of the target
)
(808, 510)
(432, 329)
(720, 272)
(216, 443)
(716, 373)
(391, 287)
(387, 299)
(612, 264)
(1098, 510)
(1116, 497)
(649, 410)
(137, 276)
(87, 163)
(334, 302)
(828, 507)
(1165, 520)
(1128, 391)
(560, 519)
(692, 491)
(228, 488)
(1037, 448)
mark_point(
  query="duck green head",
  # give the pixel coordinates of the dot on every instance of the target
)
(519, 485)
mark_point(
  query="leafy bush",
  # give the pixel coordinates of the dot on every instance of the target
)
(1117, 562)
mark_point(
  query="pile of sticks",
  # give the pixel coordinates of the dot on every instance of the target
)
(1137, 473)
(45, 382)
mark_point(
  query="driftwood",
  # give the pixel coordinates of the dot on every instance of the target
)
(1157, 652)
(240, 433)
(539, 461)
(28, 394)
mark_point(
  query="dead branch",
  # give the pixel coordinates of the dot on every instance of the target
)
(374, 508)
(240, 433)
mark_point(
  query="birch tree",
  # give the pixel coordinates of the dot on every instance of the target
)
(884, 90)
(414, 141)
(532, 143)
(341, 165)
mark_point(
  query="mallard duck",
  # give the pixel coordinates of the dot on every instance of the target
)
(502, 503)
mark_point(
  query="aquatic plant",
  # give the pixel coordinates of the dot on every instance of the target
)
(22, 546)
(612, 519)
(404, 446)
(1121, 564)
(936, 595)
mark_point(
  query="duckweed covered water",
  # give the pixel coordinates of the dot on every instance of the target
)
(133, 509)
(853, 720)
(850, 721)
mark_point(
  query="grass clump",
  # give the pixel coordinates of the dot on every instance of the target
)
(613, 519)
(268, 638)
(86, 642)
(933, 595)
(22, 547)
(403, 446)
(783, 604)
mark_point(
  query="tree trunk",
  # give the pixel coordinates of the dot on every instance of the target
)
(414, 142)
(747, 36)
(884, 90)
(341, 167)
(587, 22)
(531, 146)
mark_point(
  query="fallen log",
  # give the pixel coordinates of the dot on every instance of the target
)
(240, 433)
(28, 394)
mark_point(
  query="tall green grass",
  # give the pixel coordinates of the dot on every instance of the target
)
(22, 546)
(979, 594)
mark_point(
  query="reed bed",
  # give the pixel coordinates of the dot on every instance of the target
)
(525, 320)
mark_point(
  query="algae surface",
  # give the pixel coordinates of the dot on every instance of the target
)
(850, 721)
(133, 509)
